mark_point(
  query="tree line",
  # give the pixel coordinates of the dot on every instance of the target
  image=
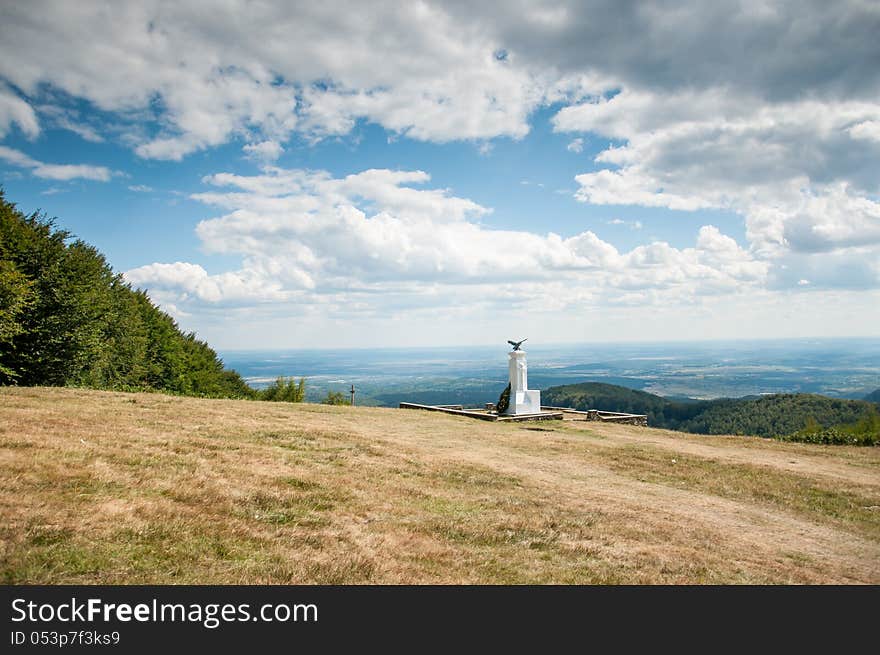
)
(66, 319)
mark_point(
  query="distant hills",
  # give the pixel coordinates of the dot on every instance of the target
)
(779, 414)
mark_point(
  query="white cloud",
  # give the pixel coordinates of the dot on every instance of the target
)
(261, 72)
(777, 119)
(832, 220)
(15, 110)
(68, 119)
(800, 172)
(55, 171)
(140, 188)
(206, 108)
(264, 151)
(869, 130)
(377, 241)
(434, 71)
(630, 187)
(192, 281)
(83, 131)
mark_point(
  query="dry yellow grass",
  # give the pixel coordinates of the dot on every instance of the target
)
(102, 487)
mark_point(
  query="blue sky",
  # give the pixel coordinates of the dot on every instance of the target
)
(529, 184)
(330, 175)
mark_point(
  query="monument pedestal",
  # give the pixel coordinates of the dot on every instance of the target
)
(525, 402)
(522, 399)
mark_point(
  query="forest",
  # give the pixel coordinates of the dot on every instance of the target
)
(809, 416)
(66, 319)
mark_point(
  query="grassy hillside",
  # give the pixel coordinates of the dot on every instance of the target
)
(102, 487)
(766, 416)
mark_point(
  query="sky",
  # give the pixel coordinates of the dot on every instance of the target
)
(349, 174)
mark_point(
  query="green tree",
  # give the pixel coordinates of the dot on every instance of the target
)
(16, 296)
(67, 319)
(285, 390)
(336, 398)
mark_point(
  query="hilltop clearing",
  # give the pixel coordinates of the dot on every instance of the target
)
(104, 487)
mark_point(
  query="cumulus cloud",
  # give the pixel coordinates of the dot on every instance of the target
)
(307, 236)
(833, 220)
(192, 281)
(801, 172)
(260, 72)
(432, 70)
(776, 119)
(55, 171)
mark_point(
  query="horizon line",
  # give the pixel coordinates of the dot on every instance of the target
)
(558, 344)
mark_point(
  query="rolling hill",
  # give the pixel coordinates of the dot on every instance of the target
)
(766, 416)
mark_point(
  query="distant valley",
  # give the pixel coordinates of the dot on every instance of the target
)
(837, 368)
(762, 388)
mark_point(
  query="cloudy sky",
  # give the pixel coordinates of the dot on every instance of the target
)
(332, 174)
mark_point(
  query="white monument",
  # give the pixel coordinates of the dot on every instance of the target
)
(522, 399)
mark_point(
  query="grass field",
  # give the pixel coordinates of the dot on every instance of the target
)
(100, 487)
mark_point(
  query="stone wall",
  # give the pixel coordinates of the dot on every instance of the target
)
(631, 419)
(599, 415)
